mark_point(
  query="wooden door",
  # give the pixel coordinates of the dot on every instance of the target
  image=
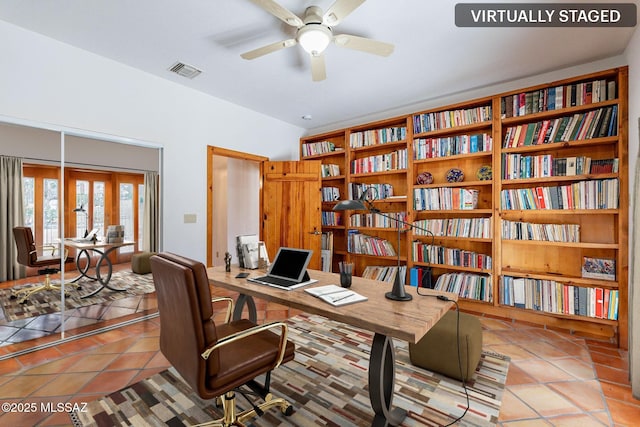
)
(292, 207)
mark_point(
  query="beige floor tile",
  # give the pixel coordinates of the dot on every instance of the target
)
(65, 384)
(514, 351)
(578, 420)
(546, 401)
(547, 350)
(528, 423)
(513, 408)
(587, 395)
(577, 368)
(542, 370)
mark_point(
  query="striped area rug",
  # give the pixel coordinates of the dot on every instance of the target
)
(47, 302)
(326, 384)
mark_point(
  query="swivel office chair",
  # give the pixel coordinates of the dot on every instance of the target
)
(215, 359)
(31, 255)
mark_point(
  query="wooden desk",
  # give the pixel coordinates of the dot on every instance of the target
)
(387, 319)
(101, 248)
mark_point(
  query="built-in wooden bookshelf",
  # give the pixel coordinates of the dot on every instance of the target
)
(544, 196)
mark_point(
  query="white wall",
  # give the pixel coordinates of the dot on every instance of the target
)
(47, 81)
(633, 56)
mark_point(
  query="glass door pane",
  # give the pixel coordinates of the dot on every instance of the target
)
(127, 214)
(51, 215)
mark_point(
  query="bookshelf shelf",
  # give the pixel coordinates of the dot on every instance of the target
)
(584, 245)
(579, 281)
(551, 179)
(481, 154)
(456, 184)
(511, 121)
(476, 127)
(563, 145)
(475, 135)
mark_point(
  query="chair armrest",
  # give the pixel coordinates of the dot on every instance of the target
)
(229, 302)
(284, 329)
(53, 250)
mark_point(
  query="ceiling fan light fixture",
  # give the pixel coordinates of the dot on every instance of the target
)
(314, 38)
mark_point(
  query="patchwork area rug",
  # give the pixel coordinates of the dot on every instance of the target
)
(47, 302)
(326, 384)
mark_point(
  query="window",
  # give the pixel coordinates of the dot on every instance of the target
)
(41, 203)
(106, 198)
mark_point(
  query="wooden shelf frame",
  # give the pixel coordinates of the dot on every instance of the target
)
(503, 261)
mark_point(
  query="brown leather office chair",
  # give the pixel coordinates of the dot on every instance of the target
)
(34, 256)
(215, 359)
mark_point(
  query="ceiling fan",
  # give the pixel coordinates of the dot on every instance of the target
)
(315, 32)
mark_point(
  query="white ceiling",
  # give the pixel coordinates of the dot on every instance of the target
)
(432, 59)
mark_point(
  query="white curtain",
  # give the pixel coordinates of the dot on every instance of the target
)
(150, 240)
(11, 215)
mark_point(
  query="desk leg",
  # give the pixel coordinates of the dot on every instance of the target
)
(381, 381)
(104, 280)
(239, 307)
(83, 270)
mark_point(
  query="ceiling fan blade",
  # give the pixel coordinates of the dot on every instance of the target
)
(270, 48)
(363, 44)
(339, 10)
(318, 69)
(279, 12)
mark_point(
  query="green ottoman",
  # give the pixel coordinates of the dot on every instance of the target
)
(140, 262)
(437, 350)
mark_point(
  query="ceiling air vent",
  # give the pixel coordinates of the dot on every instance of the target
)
(185, 70)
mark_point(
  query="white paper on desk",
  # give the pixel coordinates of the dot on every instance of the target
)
(336, 295)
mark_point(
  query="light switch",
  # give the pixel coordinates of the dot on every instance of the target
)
(190, 218)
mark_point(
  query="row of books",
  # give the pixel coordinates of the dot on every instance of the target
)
(330, 218)
(434, 254)
(374, 191)
(377, 136)
(429, 148)
(388, 220)
(598, 123)
(382, 162)
(479, 228)
(555, 297)
(329, 169)
(444, 198)
(516, 230)
(517, 166)
(592, 194)
(466, 285)
(421, 276)
(385, 273)
(321, 147)
(330, 194)
(427, 122)
(358, 243)
(557, 97)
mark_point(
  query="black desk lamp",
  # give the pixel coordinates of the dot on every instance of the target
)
(86, 222)
(363, 204)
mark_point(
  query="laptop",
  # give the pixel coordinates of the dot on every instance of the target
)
(89, 237)
(288, 270)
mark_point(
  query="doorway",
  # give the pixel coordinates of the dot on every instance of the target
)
(234, 200)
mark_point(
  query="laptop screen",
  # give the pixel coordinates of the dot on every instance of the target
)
(290, 263)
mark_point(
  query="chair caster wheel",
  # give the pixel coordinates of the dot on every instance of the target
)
(288, 410)
(13, 297)
(24, 301)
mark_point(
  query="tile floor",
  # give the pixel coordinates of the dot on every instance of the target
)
(92, 316)
(555, 379)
